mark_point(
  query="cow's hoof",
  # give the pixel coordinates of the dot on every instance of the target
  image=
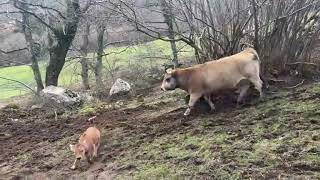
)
(262, 99)
(187, 113)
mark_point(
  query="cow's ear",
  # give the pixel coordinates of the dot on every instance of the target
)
(71, 147)
(169, 71)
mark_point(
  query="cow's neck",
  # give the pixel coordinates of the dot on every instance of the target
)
(183, 77)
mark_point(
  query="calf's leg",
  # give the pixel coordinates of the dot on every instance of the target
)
(97, 147)
(94, 151)
(74, 166)
(89, 157)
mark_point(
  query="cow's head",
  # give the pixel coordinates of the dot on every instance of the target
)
(169, 81)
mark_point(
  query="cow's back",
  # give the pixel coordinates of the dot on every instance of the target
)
(226, 72)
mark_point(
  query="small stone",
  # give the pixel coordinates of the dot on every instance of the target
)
(140, 99)
(33, 107)
(315, 137)
(120, 87)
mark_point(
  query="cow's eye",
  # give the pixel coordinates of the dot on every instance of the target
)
(168, 80)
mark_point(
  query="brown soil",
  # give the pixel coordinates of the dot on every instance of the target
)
(23, 131)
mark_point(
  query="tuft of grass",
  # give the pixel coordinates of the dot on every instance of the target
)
(12, 106)
(314, 89)
(23, 158)
(92, 109)
(87, 111)
(159, 171)
(312, 159)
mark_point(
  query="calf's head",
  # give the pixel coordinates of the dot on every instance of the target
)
(79, 151)
(169, 81)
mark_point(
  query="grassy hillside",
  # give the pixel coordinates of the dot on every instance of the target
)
(149, 54)
(275, 139)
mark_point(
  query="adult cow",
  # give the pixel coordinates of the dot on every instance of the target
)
(214, 76)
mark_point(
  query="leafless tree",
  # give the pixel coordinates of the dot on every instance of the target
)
(84, 53)
(281, 31)
(32, 47)
(100, 51)
(166, 7)
(63, 27)
(24, 25)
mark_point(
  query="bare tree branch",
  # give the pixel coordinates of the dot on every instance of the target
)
(11, 61)
(13, 51)
(36, 16)
(44, 7)
(5, 3)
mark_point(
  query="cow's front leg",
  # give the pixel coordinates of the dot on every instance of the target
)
(193, 99)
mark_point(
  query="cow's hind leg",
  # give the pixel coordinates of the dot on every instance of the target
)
(208, 99)
(193, 99)
(257, 82)
(243, 92)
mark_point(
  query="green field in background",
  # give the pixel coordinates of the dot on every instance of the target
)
(147, 54)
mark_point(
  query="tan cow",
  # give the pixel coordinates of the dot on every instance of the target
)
(213, 76)
(88, 145)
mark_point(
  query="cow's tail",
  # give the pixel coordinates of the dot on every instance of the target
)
(256, 57)
(265, 84)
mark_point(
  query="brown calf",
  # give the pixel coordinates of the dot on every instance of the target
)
(88, 145)
(213, 76)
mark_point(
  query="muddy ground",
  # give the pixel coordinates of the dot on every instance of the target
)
(148, 138)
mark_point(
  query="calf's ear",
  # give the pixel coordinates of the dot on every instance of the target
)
(169, 70)
(71, 147)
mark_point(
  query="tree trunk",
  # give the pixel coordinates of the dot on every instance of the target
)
(174, 50)
(83, 61)
(98, 67)
(58, 54)
(256, 25)
(32, 49)
(59, 46)
(168, 18)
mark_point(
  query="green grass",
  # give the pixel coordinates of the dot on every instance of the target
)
(151, 54)
(253, 142)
